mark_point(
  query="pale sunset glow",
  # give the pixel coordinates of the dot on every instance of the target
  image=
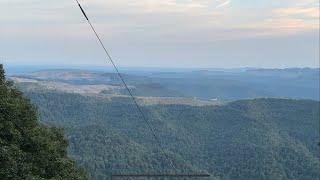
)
(160, 32)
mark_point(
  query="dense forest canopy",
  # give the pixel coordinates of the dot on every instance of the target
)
(28, 149)
(247, 139)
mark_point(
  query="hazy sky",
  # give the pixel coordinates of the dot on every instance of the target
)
(162, 33)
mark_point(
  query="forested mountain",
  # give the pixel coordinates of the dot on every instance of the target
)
(247, 139)
(28, 149)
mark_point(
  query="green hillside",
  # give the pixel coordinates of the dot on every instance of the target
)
(28, 149)
(103, 153)
(249, 139)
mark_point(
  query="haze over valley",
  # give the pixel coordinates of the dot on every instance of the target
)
(212, 85)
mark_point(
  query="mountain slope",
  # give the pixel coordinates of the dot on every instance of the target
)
(249, 139)
(103, 153)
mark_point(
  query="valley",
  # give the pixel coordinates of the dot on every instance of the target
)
(253, 138)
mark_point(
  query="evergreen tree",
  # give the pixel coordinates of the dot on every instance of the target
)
(2, 76)
(29, 150)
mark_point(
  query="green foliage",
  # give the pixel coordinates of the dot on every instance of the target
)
(103, 152)
(249, 139)
(2, 74)
(29, 150)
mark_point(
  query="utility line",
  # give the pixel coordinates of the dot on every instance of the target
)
(127, 88)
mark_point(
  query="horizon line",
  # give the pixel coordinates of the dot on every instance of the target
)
(61, 66)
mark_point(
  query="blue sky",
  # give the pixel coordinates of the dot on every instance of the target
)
(162, 33)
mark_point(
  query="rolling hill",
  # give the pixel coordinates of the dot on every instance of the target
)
(295, 83)
(247, 139)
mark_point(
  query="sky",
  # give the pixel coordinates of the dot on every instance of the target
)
(162, 33)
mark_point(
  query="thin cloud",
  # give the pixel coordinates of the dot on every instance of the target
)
(155, 19)
(297, 11)
(223, 4)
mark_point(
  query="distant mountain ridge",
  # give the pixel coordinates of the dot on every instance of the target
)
(223, 85)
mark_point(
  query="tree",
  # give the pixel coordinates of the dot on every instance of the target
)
(28, 149)
(2, 76)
